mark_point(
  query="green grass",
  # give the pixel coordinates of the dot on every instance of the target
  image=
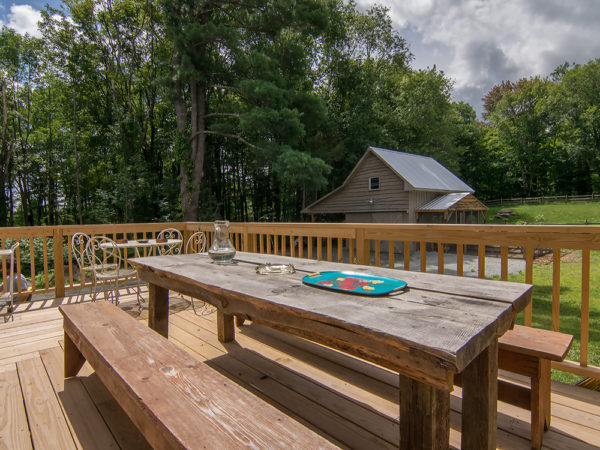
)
(570, 307)
(570, 279)
(549, 213)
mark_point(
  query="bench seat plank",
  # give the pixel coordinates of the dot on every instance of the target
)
(175, 400)
(536, 342)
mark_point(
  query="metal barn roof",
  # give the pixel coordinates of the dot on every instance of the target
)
(443, 203)
(422, 172)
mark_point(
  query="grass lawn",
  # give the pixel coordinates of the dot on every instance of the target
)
(570, 306)
(549, 213)
(570, 279)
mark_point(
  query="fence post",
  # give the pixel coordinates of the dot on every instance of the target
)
(59, 266)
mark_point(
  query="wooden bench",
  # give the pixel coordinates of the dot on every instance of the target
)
(529, 351)
(175, 400)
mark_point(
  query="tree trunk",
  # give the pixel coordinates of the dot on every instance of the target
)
(192, 170)
(77, 172)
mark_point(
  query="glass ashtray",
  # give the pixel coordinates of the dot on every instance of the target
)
(268, 269)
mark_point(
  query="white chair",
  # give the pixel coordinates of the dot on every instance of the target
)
(8, 297)
(196, 243)
(78, 244)
(170, 249)
(104, 259)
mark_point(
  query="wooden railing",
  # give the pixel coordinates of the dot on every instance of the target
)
(353, 243)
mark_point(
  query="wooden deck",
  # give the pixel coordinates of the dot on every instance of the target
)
(352, 403)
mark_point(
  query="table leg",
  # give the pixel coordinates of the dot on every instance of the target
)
(480, 401)
(158, 309)
(225, 328)
(424, 416)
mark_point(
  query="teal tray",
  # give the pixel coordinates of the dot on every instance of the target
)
(354, 283)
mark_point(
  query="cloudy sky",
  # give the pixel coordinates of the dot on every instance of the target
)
(477, 43)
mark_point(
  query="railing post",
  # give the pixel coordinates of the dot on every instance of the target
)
(362, 248)
(187, 232)
(59, 267)
(245, 242)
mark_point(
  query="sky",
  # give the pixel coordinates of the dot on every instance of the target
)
(477, 43)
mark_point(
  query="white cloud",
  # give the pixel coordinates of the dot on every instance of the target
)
(23, 19)
(480, 43)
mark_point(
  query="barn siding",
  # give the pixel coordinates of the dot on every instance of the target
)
(418, 198)
(355, 195)
(377, 217)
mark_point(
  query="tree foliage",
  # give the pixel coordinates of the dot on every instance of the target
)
(132, 111)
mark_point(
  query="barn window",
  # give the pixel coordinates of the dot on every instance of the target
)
(373, 183)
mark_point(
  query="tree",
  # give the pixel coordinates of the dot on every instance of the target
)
(236, 68)
(522, 123)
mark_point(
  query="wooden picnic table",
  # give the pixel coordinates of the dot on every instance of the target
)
(439, 326)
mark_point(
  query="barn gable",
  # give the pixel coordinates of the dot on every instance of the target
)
(359, 193)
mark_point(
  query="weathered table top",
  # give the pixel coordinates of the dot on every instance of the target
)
(438, 323)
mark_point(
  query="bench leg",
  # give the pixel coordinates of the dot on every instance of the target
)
(540, 403)
(74, 360)
(239, 321)
(424, 416)
(225, 328)
(480, 401)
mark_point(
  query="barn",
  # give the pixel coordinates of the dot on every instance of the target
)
(388, 186)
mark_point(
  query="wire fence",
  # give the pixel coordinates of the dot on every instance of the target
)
(546, 199)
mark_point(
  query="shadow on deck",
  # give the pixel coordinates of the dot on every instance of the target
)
(349, 401)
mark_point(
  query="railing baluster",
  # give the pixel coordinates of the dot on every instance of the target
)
(423, 256)
(70, 253)
(32, 263)
(319, 248)
(340, 250)
(19, 287)
(351, 250)
(459, 259)
(377, 252)
(329, 249)
(585, 307)
(391, 255)
(440, 252)
(555, 289)
(504, 263)
(529, 280)
(45, 253)
(309, 241)
(481, 260)
(406, 255)
(292, 246)
(261, 241)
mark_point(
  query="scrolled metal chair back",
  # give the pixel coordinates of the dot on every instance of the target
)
(196, 243)
(78, 244)
(102, 254)
(170, 234)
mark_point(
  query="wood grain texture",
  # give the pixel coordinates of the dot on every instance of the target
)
(424, 416)
(46, 423)
(480, 399)
(14, 430)
(158, 309)
(174, 399)
(537, 342)
(423, 318)
(85, 422)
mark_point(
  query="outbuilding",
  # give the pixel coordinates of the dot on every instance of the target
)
(388, 186)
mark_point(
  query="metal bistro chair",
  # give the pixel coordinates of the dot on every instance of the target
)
(196, 243)
(8, 297)
(104, 259)
(170, 249)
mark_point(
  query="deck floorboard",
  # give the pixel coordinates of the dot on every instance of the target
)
(348, 400)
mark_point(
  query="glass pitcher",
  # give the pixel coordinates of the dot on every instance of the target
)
(222, 250)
